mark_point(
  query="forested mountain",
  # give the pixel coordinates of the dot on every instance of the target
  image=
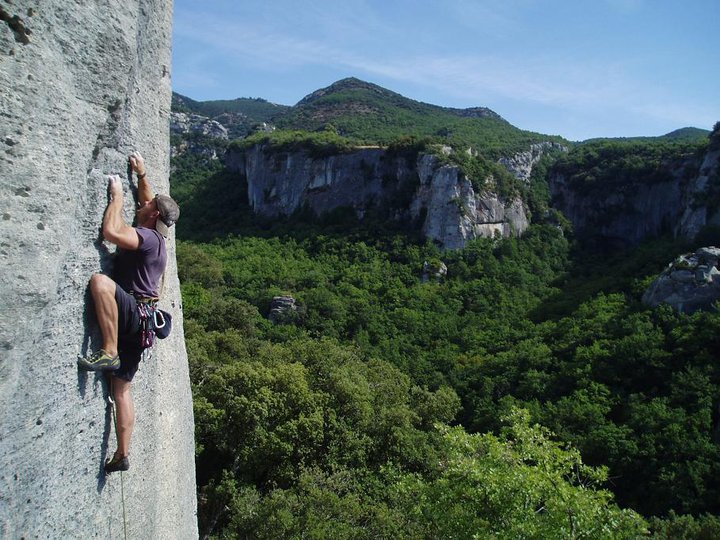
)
(255, 109)
(354, 380)
(365, 113)
(240, 116)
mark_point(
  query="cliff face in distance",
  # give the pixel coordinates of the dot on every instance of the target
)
(647, 192)
(83, 84)
(357, 155)
(439, 198)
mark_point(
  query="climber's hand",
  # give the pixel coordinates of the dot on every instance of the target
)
(137, 163)
(114, 186)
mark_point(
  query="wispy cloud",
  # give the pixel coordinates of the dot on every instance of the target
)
(361, 42)
(535, 79)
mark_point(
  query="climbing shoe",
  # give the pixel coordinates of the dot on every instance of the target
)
(117, 464)
(99, 361)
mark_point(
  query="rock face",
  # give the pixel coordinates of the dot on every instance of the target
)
(282, 309)
(625, 217)
(439, 197)
(696, 214)
(521, 164)
(680, 205)
(198, 135)
(455, 213)
(690, 283)
(89, 84)
(196, 124)
(436, 270)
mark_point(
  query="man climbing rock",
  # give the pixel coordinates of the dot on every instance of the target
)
(122, 304)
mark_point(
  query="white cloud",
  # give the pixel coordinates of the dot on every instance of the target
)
(559, 80)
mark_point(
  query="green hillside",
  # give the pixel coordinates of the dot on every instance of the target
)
(255, 109)
(602, 164)
(687, 134)
(526, 394)
(364, 113)
(240, 116)
(370, 114)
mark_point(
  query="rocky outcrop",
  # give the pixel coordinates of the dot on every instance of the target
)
(681, 204)
(696, 212)
(282, 309)
(197, 135)
(688, 284)
(439, 197)
(625, 216)
(435, 270)
(455, 213)
(90, 84)
(183, 124)
(280, 182)
(521, 164)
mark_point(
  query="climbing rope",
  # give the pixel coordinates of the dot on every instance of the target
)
(122, 479)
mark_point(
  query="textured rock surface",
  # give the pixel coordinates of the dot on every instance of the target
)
(183, 123)
(91, 85)
(455, 213)
(521, 164)
(436, 270)
(624, 216)
(197, 135)
(695, 215)
(282, 309)
(441, 197)
(636, 211)
(690, 283)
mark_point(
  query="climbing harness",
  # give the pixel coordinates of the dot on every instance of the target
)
(154, 322)
(111, 402)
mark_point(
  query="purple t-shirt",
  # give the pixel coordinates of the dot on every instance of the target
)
(139, 271)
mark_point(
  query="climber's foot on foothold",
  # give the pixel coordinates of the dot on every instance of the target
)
(99, 361)
(117, 463)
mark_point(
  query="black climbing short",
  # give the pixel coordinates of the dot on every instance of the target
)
(128, 335)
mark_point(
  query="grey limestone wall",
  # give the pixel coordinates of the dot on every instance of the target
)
(82, 83)
(280, 183)
(637, 211)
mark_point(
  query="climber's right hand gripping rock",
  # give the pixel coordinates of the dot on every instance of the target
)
(137, 162)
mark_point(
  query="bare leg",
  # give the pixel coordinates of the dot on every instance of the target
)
(125, 411)
(102, 289)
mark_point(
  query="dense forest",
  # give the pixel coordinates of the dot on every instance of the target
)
(526, 393)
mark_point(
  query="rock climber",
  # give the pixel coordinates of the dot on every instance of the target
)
(120, 303)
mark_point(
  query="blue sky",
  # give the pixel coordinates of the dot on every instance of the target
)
(576, 68)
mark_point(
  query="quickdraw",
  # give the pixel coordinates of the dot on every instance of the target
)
(148, 313)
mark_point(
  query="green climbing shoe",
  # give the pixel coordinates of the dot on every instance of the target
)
(99, 361)
(117, 464)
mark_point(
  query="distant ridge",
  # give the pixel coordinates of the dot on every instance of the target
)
(254, 108)
(370, 114)
(686, 134)
(351, 84)
(366, 113)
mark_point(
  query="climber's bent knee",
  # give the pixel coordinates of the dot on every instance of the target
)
(101, 284)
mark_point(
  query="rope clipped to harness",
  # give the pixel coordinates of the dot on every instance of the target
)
(111, 403)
